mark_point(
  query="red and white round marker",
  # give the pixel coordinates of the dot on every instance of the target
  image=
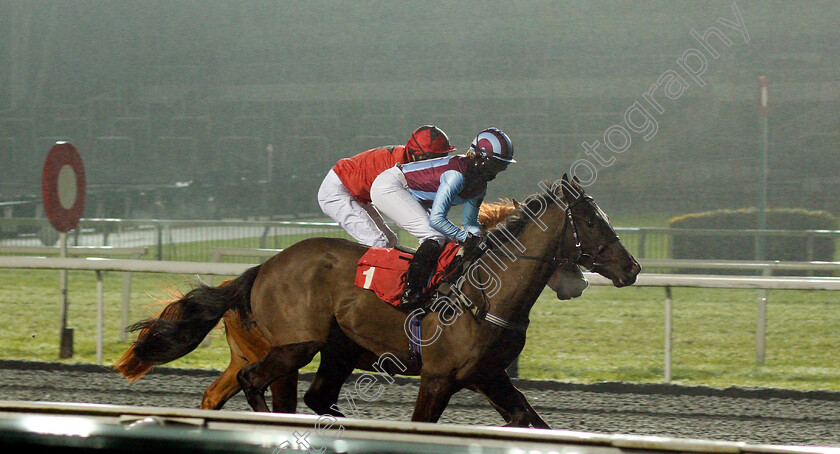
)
(63, 187)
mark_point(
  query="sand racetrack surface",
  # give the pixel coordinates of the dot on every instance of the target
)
(754, 415)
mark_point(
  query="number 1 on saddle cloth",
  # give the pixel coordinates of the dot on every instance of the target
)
(383, 271)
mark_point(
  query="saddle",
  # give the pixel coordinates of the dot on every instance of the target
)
(383, 271)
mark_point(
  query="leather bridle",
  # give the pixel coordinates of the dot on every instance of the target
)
(580, 258)
(483, 313)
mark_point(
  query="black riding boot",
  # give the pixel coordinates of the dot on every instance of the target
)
(419, 271)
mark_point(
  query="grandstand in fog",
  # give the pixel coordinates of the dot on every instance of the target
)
(238, 109)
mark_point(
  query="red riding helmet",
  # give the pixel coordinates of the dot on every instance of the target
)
(492, 142)
(428, 142)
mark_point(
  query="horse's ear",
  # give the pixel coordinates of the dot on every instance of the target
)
(515, 204)
(577, 185)
(571, 190)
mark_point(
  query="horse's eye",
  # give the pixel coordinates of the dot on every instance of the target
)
(590, 222)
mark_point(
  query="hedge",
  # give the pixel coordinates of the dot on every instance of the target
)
(732, 247)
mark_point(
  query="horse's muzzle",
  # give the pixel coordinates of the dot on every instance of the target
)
(630, 272)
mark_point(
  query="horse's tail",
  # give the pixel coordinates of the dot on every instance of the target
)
(184, 323)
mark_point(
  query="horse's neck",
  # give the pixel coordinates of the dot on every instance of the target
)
(536, 241)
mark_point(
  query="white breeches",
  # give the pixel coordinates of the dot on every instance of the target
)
(391, 196)
(360, 220)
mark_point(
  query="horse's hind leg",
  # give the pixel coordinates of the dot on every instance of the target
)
(324, 390)
(284, 393)
(217, 394)
(246, 345)
(280, 362)
(337, 363)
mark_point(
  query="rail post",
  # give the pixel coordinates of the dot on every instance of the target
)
(100, 315)
(65, 349)
(761, 322)
(159, 241)
(642, 238)
(668, 333)
(125, 312)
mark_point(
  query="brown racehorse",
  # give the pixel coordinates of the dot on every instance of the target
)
(248, 345)
(304, 301)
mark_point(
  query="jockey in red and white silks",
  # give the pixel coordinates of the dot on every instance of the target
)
(344, 194)
(419, 195)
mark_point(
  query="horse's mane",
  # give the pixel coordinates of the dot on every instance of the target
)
(490, 214)
(508, 214)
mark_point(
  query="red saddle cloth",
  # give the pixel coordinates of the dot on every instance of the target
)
(383, 271)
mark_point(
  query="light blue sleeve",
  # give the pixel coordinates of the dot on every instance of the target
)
(451, 183)
(471, 224)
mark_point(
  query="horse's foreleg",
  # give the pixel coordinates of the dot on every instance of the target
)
(502, 411)
(280, 362)
(432, 398)
(509, 401)
(536, 420)
(506, 403)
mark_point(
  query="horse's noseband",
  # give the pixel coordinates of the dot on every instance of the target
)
(586, 260)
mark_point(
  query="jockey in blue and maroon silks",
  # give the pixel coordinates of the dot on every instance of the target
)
(440, 184)
(418, 196)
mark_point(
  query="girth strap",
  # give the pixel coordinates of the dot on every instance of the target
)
(499, 321)
(453, 292)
